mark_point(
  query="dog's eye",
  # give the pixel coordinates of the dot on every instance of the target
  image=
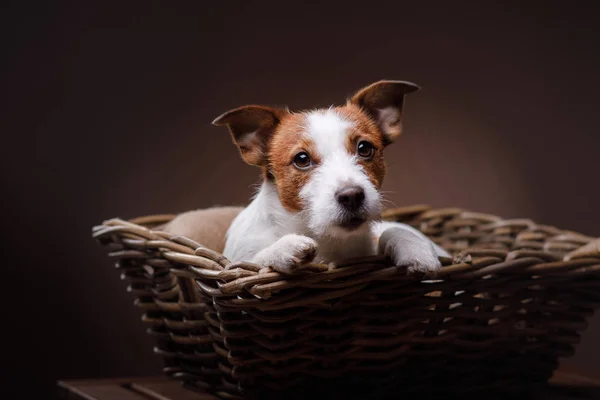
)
(302, 160)
(365, 149)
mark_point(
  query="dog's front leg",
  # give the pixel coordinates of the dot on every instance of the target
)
(408, 247)
(287, 252)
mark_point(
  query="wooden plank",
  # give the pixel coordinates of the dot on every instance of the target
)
(105, 391)
(120, 380)
(568, 375)
(169, 391)
(156, 388)
(567, 383)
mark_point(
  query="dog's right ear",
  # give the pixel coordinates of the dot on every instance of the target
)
(251, 128)
(384, 101)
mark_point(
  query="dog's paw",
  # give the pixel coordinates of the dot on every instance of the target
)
(418, 259)
(409, 251)
(288, 252)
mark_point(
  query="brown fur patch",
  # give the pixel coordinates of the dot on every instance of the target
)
(364, 128)
(288, 141)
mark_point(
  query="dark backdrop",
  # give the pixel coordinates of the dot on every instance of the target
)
(107, 108)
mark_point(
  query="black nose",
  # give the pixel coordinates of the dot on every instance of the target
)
(351, 197)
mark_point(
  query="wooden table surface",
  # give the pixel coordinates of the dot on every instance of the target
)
(567, 383)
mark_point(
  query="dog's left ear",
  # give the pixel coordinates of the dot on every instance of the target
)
(251, 128)
(383, 101)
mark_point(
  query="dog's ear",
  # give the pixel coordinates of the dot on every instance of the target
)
(251, 128)
(383, 101)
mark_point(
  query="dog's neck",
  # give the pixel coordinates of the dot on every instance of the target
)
(267, 208)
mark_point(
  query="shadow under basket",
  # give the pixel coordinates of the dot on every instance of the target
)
(512, 301)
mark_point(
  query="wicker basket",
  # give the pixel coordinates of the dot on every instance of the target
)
(512, 302)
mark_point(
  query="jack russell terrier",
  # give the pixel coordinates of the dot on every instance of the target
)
(320, 198)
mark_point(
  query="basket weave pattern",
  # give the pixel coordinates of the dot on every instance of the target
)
(514, 299)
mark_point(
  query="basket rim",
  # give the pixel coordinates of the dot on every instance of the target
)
(197, 261)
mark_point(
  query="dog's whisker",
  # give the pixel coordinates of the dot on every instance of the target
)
(390, 202)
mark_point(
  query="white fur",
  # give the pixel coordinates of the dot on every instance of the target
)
(287, 252)
(380, 227)
(408, 247)
(267, 234)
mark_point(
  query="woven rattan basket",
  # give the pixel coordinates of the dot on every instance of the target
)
(514, 299)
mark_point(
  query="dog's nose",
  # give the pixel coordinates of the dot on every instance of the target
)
(351, 197)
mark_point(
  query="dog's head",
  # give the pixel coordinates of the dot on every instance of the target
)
(326, 164)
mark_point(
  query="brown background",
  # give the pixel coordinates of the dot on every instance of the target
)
(106, 112)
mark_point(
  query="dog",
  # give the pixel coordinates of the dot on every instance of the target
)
(320, 198)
